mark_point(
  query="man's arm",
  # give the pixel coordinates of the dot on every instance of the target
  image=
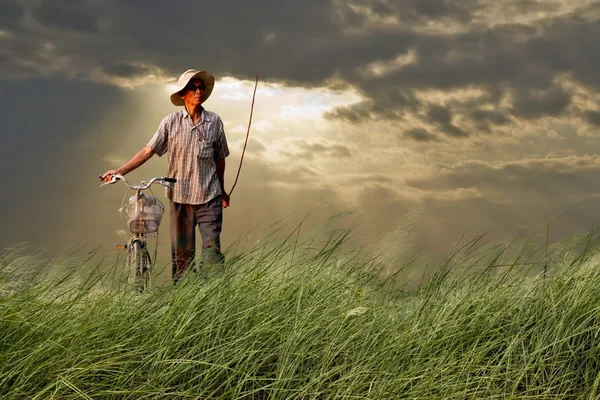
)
(140, 158)
(220, 162)
(221, 151)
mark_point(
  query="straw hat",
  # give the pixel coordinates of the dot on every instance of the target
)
(185, 78)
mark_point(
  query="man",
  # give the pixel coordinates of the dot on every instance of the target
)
(197, 147)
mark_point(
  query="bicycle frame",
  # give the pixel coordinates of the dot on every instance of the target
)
(138, 258)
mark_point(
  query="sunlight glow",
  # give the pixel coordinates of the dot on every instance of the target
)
(279, 110)
(171, 87)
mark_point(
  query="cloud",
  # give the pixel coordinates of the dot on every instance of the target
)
(390, 52)
(256, 145)
(254, 148)
(483, 89)
(441, 117)
(593, 117)
(353, 113)
(309, 149)
(404, 44)
(375, 13)
(262, 126)
(420, 135)
(530, 181)
(68, 15)
(126, 69)
(485, 119)
(535, 103)
(11, 12)
(360, 179)
(335, 150)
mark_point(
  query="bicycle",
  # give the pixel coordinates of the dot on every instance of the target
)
(143, 214)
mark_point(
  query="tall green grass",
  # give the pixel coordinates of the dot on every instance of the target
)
(310, 319)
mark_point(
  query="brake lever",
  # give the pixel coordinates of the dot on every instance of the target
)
(167, 184)
(111, 182)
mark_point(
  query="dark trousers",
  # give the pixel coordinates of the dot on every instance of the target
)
(184, 218)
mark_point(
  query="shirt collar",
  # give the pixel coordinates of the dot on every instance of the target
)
(205, 116)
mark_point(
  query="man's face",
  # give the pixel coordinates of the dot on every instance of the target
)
(193, 93)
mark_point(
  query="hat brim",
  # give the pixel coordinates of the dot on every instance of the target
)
(209, 82)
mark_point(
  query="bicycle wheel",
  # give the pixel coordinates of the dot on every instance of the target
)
(139, 265)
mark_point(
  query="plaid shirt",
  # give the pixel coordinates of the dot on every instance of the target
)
(192, 152)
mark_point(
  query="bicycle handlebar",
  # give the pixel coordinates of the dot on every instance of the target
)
(162, 180)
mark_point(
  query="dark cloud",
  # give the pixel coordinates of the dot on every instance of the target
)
(530, 6)
(358, 13)
(534, 103)
(420, 135)
(435, 9)
(533, 181)
(568, 46)
(327, 42)
(593, 117)
(65, 14)
(11, 13)
(353, 113)
(125, 69)
(441, 117)
(508, 58)
(485, 119)
(382, 9)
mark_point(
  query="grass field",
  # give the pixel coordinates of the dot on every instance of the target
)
(302, 319)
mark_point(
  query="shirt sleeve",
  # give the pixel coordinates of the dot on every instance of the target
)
(221, 148)
(160, 141)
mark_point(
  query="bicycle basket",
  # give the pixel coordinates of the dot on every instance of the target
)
(143, 214)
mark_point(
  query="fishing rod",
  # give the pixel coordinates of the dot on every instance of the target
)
(247, 135)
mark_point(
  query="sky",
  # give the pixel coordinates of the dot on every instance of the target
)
(451, 116)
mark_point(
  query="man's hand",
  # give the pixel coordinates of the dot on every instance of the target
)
(140, 157)
(108, 175)
(225, 200)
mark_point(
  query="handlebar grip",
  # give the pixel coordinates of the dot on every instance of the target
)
(114, 177)
(170, 180)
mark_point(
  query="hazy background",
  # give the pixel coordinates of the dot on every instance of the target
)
(465, 114)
